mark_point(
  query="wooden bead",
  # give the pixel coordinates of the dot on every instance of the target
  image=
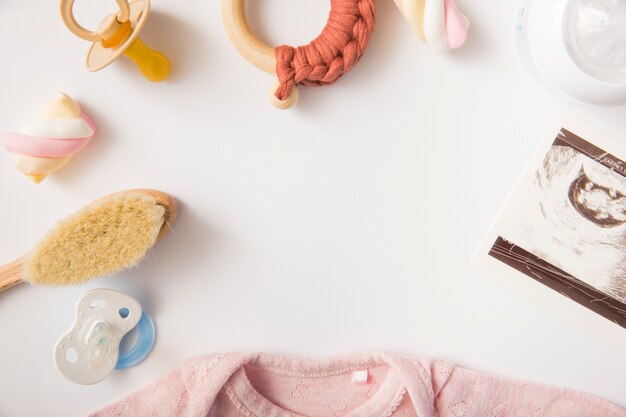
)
(283, 104)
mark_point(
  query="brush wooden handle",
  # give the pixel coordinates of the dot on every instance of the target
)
(11, 274)
(164, 200)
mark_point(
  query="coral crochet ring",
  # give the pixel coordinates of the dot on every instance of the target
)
(342, 41)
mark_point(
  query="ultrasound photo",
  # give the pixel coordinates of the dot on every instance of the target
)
(565, 226)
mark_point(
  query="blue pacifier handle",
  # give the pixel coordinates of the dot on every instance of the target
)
(145, 342)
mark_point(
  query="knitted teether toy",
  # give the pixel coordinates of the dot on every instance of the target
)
(119, 34)
(342, 41)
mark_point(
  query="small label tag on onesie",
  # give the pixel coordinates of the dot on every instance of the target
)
(360, 377)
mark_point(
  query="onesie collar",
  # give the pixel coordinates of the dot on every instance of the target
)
(414, 376)
(382, 404)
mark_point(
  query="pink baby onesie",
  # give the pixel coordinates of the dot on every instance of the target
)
(360, 385)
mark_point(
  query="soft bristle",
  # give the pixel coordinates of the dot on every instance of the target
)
(104, 238)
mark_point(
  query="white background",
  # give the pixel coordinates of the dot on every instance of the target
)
(345, 224)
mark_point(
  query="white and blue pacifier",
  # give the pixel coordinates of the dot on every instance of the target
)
(90, 350)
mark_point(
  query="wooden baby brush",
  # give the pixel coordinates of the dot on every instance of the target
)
(109, 235)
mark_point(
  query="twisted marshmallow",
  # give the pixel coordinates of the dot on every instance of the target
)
(439, 23)
(48, 142)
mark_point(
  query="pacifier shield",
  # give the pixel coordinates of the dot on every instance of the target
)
(89, 350)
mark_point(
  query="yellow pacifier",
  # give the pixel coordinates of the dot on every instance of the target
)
(118, 34)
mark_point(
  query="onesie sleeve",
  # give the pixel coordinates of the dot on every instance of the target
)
(471, 394)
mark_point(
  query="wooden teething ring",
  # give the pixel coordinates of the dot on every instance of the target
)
(322, 62)
(93, 36)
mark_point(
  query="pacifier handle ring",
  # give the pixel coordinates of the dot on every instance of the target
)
(68, 18)
(253, 49)
(145, 341)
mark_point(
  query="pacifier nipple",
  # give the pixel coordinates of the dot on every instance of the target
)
(100, 345)
(154, 65)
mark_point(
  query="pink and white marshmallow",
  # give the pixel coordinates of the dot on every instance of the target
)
(439, 23)
(48, 142)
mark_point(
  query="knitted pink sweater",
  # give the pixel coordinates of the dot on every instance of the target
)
(362, 385)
